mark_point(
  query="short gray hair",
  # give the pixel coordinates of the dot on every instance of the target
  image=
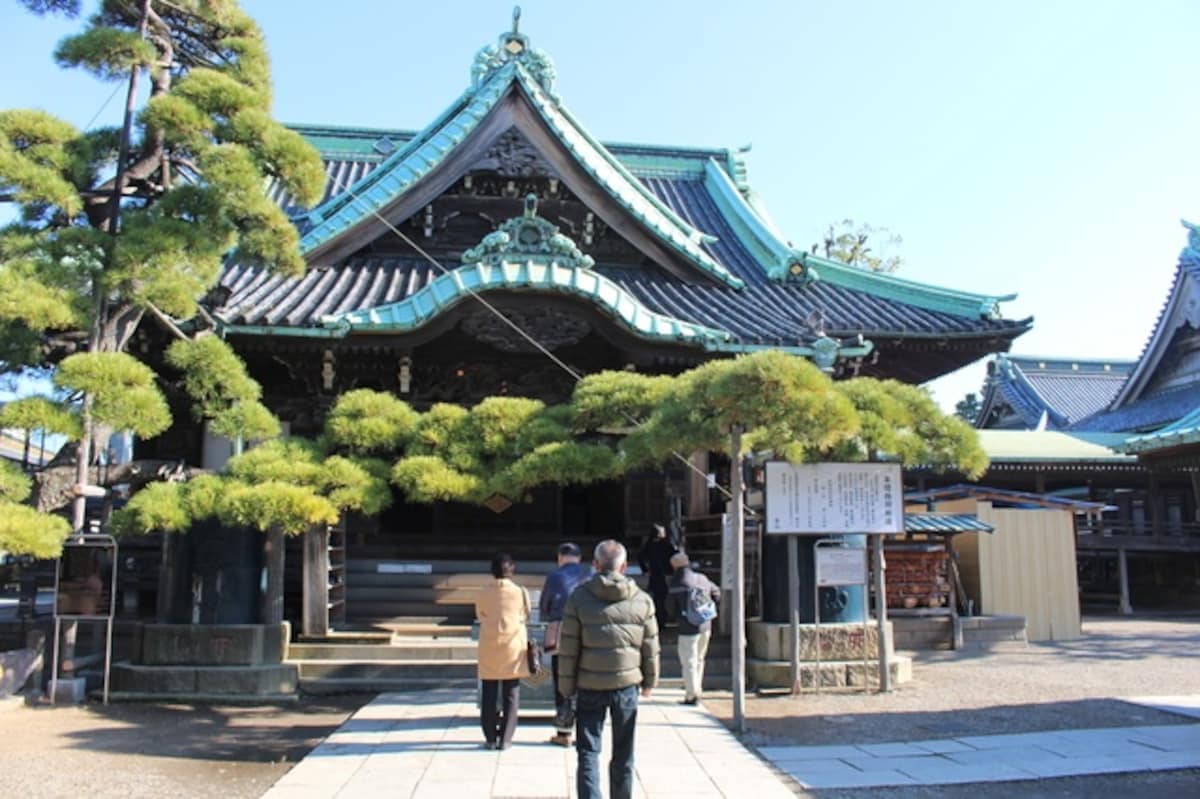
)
(610, 555)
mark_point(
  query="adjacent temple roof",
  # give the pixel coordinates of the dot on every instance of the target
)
(1020, 391)
(1156, 397)
(715, 274)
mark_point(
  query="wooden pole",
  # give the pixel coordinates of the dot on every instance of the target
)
(739, 582)
(885, 639)
(794, 608)
(1125, 608)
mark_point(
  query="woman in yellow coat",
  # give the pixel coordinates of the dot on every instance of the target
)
(503, 611)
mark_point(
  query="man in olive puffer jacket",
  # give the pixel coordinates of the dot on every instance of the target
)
(608, 649)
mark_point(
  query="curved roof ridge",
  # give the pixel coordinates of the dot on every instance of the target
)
(453, 287)
(1187, 267)
(407, 165)
(682, 236)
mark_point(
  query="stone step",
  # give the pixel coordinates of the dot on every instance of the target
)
(371, 579)
(190, 681)
(458, 614)
(430, 626)
(483, 567)
(394, 649)
(386, 669)
(357, 685)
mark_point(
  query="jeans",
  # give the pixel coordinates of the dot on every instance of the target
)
(692, 651)
(499, 728)
(560, 701)
(589, 730)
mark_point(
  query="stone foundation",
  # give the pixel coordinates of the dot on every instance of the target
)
(773, 641)
(843, 648)
(223, 662)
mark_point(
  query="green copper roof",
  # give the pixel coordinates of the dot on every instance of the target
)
(781, 261)
(416, 159)
(448, 289)
(1185, 430)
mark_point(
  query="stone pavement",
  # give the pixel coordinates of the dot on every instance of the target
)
(992, 758)
(428, 744)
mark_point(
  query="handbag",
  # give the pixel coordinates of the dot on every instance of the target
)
(539, 671)
(533, 658)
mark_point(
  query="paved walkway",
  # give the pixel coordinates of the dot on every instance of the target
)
(994, 758)
(429, 745)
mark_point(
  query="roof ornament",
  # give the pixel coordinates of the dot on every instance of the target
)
(1191, 253)
(514, 46)
(528, 238)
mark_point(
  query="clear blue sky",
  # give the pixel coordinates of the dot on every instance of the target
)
(1043, 148)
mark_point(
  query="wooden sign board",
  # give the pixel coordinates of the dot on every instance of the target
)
(834, 498)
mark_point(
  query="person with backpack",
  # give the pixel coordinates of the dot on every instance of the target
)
(693, 598)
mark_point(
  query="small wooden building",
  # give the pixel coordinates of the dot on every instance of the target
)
(1027, 566)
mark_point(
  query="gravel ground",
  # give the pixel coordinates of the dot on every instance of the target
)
(130, 751)
(1067, 685)
(136, 751)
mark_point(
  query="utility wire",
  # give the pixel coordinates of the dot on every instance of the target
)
(576, 376)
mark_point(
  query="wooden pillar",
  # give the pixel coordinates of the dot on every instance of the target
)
(1152, 499)
(315, 617)
(1196, 494)
(1125, 609)
(168, 578)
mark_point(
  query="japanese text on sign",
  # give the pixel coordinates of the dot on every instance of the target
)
(834, 498)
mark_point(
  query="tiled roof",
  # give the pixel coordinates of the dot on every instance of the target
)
(1066, 390)
(694, 201)
(1185, 430)
(1182, 293)
(1145, 414)
(765, 312)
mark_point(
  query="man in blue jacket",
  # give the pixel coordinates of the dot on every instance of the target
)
(557, 588)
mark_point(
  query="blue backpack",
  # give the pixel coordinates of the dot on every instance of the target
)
(700, 607)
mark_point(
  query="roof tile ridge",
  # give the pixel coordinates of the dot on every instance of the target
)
(487, 93)
(765, 236)
(914, 292)
(1140, 371)
(692, 237)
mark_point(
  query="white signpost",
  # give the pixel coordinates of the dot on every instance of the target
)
(835, 499)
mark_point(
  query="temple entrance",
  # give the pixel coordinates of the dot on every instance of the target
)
(422, 564)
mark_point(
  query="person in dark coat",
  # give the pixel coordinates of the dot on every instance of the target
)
(655, 560)
(608, 651)
(555, 591)
(693, 638)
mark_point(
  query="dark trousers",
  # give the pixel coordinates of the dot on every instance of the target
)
(591, 707)
(500, 726)
(561, 703)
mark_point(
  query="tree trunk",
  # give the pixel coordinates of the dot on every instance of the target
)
(271, 605)
(168, 576)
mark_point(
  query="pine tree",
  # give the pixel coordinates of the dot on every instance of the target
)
(118, 224)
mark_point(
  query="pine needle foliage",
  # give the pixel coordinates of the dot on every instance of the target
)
(124, 393)
(363, 421)
(115, 223)
(40, 413)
